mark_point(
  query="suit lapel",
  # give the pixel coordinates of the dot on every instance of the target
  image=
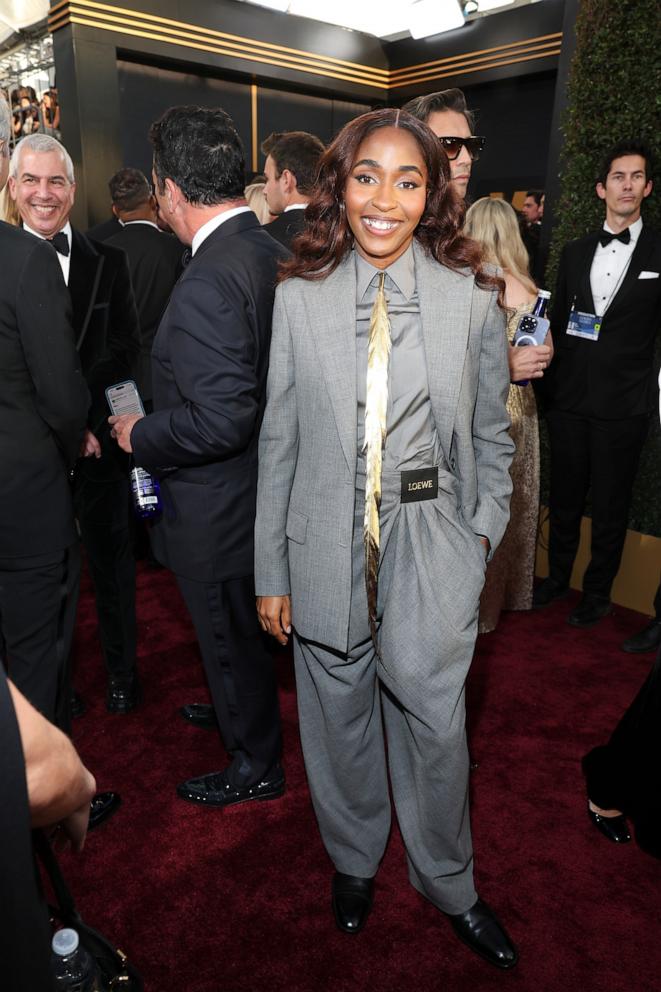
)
(445, 308)
(84, 279)
(585, 299)
(331, 309)
(640, 255)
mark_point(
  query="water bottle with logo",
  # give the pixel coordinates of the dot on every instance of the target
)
(73, 968)
(146, 493)
(533, 327)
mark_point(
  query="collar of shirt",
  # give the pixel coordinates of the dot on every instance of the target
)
(401, 273)
(149, 223)
(295, 206)
(65, 230)
(634, 233)
(203, 232)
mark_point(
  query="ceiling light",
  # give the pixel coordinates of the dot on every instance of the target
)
(428, 17)
(493, 4)
(282, 5)
(470, 7)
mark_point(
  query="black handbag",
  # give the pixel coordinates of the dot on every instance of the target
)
(115, 972)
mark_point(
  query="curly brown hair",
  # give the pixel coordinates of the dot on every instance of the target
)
(319, 249)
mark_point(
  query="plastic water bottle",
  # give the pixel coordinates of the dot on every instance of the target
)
(146, 493)
(73, 968)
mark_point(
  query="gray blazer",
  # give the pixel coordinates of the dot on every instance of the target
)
(308, 447)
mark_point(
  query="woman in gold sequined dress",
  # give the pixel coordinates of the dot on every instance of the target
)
(510, 574)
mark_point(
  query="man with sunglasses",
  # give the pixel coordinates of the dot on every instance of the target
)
(446, 113)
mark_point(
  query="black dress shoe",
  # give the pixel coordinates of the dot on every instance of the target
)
(102, 806)
(215, 790)
(351, 898)
(123, 695)
(590, 611)
(645, 640)
(200, 715)
(76, 704)
(548, 591)
(480, 930)
(613, 827)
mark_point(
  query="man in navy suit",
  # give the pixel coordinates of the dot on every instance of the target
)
(209, 364)
(602, 390)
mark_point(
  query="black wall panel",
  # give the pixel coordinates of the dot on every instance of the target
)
(515, 117)
(145, 92)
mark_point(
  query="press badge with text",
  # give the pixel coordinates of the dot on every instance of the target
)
(584, 325)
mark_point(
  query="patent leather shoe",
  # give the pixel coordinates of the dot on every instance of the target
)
(123, 695)
(216, 790)
(645, 640)
(613, 827)
(480, 929)
(351, 898)
(103, 805)
(200, 715)
(590, 610)
(547, 592)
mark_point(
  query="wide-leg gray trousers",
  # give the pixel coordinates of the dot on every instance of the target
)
(430, 577)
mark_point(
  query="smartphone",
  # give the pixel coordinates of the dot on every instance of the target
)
(532, 330)
(124, 398)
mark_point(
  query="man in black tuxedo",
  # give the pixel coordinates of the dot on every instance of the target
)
(154, 262)
(532, 213)
(602, 386)
(292, 162)
(43, 411)
(210, 360)
(105, 322)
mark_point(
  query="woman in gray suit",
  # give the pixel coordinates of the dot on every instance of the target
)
(383, 488)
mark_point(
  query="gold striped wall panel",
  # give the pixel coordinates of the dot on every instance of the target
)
(120, 20)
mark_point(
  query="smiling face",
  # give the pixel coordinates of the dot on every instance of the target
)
(625, 189)
(452, 124)
(386, 194)
(43, 194)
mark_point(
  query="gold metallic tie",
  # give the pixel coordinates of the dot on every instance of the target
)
(376, 405)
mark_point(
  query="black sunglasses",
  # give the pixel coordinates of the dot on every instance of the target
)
(452, 146)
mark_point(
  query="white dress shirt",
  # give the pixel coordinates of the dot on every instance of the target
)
(295, 206)
(609, 267)
(64, 260)
(211, 225)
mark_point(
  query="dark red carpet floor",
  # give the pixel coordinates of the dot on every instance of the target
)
(238, 901)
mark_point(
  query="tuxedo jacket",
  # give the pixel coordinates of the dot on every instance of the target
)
(105, 321)
(106, 229)
(285, 227)
(155, 265)
(614, 377)
(308, 445)
(43, 399)
(209, 365)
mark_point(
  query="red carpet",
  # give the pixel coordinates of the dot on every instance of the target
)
(205, 901)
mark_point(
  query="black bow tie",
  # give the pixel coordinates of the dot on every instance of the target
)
(624, 236)
(186, 257)
(60, 243)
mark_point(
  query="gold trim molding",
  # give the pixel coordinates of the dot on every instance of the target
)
(120, 20)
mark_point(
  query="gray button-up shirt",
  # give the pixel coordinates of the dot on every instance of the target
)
(411, 440)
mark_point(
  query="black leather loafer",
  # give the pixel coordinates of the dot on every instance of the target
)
(590, 611)
(103, 806)
(123, 696)
(548, 591)
(645, 640)
(215, 790)
(480, 930)
(200, 715)
(351, 898)
(613, 827)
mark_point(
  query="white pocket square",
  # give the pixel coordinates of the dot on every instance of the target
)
(648, 275)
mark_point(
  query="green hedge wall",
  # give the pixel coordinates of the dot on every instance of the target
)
(614, 92)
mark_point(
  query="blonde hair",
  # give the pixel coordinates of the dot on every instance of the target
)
(493, 223)
(254, 194)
